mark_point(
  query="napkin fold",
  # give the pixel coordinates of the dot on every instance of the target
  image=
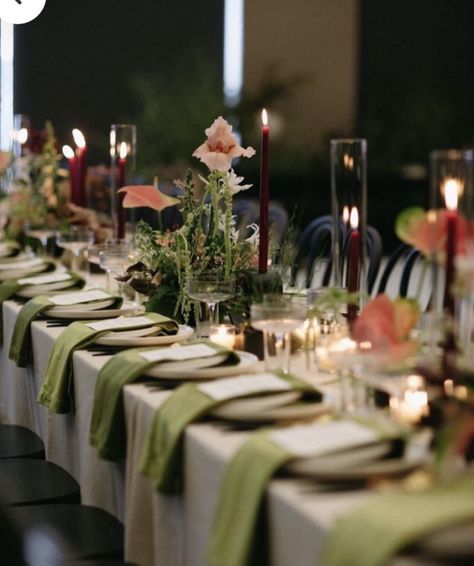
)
(162, 455)
(371, 534)
(239, 534)
(20, 346)
(55, 392)
(107, 432)
(9, 287)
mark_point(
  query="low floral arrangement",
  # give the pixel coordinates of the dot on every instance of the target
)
(207, 241)
(37, 189)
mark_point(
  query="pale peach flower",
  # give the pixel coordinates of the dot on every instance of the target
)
(5, 158)
(221, 147)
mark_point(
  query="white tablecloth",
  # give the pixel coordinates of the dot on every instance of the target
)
(160, 530)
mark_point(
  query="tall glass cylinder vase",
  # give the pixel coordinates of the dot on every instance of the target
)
(349, 214)
(452, 195)
(123, 148)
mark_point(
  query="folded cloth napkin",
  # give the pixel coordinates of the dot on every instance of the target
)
(11, 286)
(55, 392)
(162, 456)
(20, 346)
(238, 536)
(107, 433)
(371, 534)
(9, 249)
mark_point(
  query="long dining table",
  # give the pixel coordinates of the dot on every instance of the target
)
(160, 530)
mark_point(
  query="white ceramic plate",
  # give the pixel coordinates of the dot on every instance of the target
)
(246, 363)
(6, 258)
(274, 407)
(94, 306)
(116, 338)
(72, 313)
(17, 274)
(350, 467)
(31, 291)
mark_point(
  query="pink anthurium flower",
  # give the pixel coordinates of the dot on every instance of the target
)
(427, 231)
(386, 326)
(221, 147)
(146, 196)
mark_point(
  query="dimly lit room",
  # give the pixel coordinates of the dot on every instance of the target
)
(236, 283)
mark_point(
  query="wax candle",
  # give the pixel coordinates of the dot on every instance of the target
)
(412, 406)
(223, 334)
(353, 265)
(451, 192)
(68, 153)
(264, 196)
(122, 164)
(81, 153)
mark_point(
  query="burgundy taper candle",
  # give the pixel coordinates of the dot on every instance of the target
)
(69, 154)
(81, 153)
(121, 217)
(264, 197)
(353, 265)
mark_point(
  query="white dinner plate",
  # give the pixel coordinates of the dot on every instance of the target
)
(72, 313)
(117, 338)
(272, 407)
(31, 291)
(17, 274)
(92, 306)
(246, 363)
(5, 258)
(350, 467)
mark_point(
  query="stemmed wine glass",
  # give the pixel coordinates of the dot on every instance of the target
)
(115, 260)
(211, 289)
(277, 317)
(41, 232)
(76, 240)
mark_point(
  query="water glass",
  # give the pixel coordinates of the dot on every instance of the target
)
(78, 239)
(41, 232)
(211, 289)
(277, 319)
(115, 260)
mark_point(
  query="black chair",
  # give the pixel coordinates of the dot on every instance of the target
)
(68, 533)
(19, 442)
(36, 482)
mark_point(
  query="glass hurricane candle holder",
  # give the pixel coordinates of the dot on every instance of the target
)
(349, 213)
(123, 148)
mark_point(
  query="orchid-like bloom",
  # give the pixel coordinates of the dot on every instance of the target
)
(221, 147)
(5, 158)
(427, 231)
(234, 183)
(148, 196)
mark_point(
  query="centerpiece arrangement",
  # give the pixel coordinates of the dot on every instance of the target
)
(207, 243)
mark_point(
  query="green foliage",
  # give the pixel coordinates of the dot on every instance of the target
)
(332, 301)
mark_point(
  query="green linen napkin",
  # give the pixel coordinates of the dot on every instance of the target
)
(20, 346)
(55, 391)
(9, 287)
(370, 535)
(162, 456)
(238, 537)
(107, 433)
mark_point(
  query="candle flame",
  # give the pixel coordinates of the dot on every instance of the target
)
(345, 214)
(113, 138)
(22, 136)
(68, 152)
(264, 117)
(354, 219)
(79, 138)
(451, 193)
(123, 151)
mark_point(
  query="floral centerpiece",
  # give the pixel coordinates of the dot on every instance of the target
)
(38, 188)
(207, 241)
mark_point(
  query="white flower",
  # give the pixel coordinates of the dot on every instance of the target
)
(234, 183)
